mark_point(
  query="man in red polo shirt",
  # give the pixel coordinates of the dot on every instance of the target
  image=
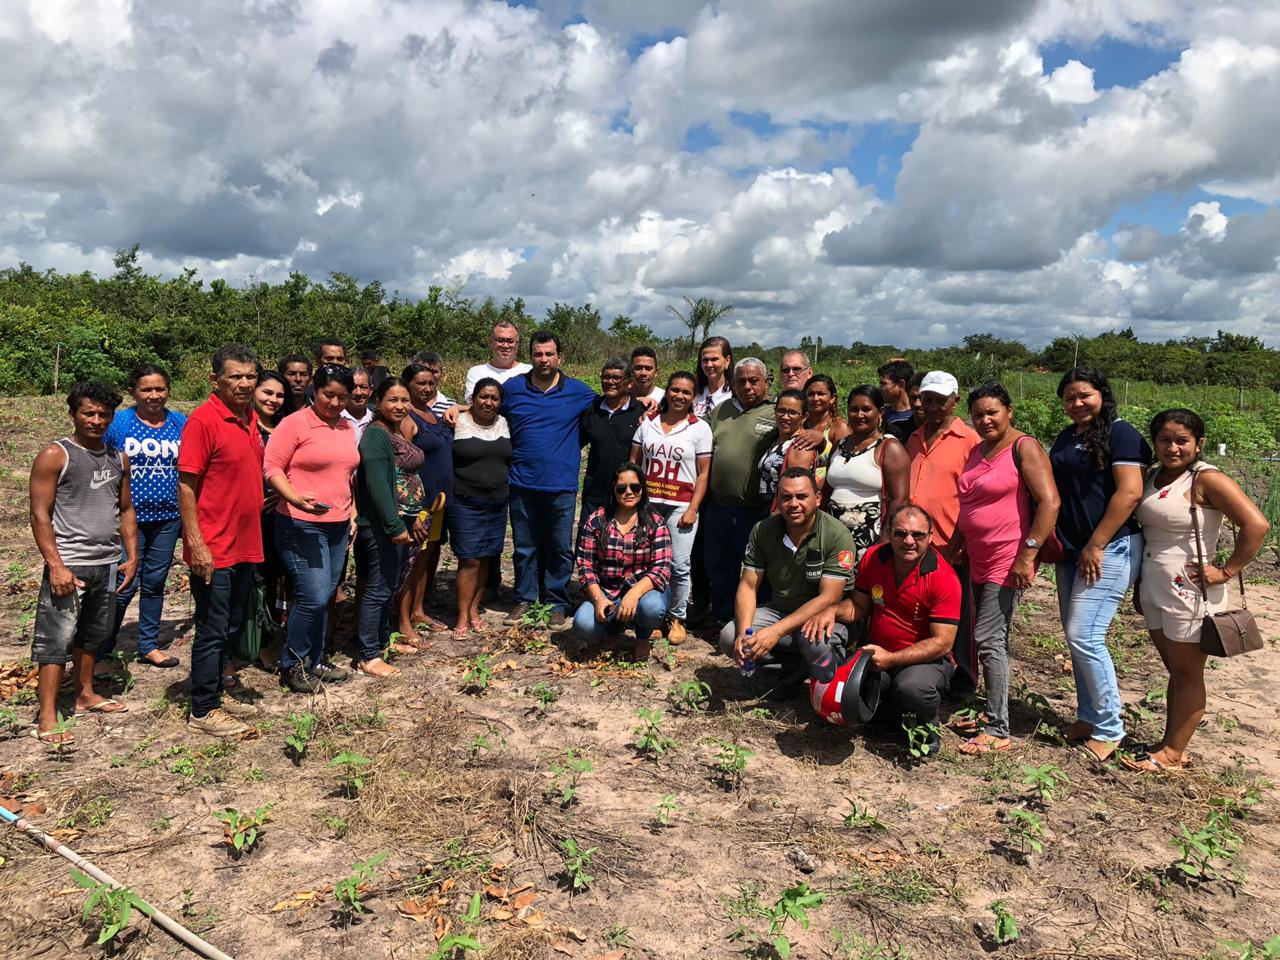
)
(912, 597)
(939, 450)
(220, 499)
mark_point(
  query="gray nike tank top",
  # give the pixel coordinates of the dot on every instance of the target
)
(86, 507)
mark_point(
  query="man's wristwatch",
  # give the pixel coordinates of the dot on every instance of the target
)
(1031, 543)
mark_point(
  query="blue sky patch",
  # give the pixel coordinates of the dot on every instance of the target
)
(1115, 63)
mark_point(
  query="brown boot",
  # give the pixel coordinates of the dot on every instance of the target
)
(675, 632)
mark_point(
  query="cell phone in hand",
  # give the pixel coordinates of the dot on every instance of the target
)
(320, 505)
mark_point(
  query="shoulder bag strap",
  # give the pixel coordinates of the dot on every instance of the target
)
(1195, 526)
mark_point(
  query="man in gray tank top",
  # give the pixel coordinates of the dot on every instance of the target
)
(81, 514)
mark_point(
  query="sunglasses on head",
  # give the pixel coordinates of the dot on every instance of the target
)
(621, 488)
(910, 534)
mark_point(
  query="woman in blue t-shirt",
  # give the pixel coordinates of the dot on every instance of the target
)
(150, 434)
(1098, 464)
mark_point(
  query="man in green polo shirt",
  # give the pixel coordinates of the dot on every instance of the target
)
(807, 555)
(741, 430)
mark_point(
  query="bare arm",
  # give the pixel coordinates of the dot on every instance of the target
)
(1120, 508)
(830, 590)
(43, 489)
(744, 607)
(128, 526)
(895, 465)
(942, 636)
(1217, 490)
(1037, 476)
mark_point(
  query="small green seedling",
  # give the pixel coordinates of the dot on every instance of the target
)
(1006, 923)
(617, 937)
(479, 674)
(1027, 830)
(731, 761)
(1200, 851)
(64, 725)
(349, 892)
(1248, 950)
(863, 819)
(851, 945)
(485, 742)
(564, 776)
(538, 615)
(351, 769)
(663, 653)
(456, 945)
(665, 808)
(692, 695)
(9, 719)
(794, 904)
(243, 829)
(919, 736)
(1043, 780)
(304, 725)
(650, 740)
(577, 862)
(114, 904)
(545, 694)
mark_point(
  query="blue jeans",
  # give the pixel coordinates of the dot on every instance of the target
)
(220, 611)
(724, 542)
(1086, 613)
(681, 558)
(312, 555)
(650, 612)
(542, 532)
(156, 540)
(381, 560)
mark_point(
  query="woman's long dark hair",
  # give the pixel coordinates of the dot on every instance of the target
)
(286, 407)
(1096, 438)
(725, 349)
(645, 517)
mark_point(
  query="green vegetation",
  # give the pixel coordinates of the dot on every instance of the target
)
(351, 770)
(650, 739)
(115, 905)
(565, 774)
(476, 680)
(243, 830)
(730, 763)
(303, 729)
(1200, 852)
(1006, 924)
(349, 892)
(665, 808)
(577, 861)
(456, 945)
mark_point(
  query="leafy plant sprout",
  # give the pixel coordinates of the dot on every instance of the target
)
(350, 890)
(861, 818)
(1006, 924)
(479, 674)
(537, 616)
(692, 695)
(1043, 780)
(731, 761)
(577, 861)
(650, 740)
(564, 776)
(545, 695)
(243, 830)
(303, 729)
(114, 904)
(665, 808)
(351, 769)
(1027, 830)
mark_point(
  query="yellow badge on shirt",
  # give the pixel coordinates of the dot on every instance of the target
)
(877, 594)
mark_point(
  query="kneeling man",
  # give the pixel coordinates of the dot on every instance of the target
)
(912, 597)
(807, 556)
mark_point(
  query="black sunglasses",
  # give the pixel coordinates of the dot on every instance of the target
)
(913, 534)
(621, 488)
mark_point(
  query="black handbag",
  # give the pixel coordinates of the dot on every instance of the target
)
(1231, 632)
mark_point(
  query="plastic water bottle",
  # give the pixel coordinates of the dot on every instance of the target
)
(748, 665)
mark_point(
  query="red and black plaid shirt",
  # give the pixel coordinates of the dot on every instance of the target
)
(615, 561)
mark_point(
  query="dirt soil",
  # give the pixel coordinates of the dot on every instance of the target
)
(460, 797)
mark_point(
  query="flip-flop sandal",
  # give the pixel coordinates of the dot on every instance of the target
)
(47, 736)
(1083, 747)
(985, 743)
(460, 633)
(106, 706)
(1143, 762)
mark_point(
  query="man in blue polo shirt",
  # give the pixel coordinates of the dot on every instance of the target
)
(543, 408)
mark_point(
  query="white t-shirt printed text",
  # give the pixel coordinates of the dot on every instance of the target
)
(670, 460)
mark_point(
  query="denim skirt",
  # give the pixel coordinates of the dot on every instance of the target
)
(477, 528)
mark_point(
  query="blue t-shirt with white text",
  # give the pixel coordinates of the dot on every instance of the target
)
(153, 461)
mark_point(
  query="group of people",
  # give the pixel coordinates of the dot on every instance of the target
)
(872, 552)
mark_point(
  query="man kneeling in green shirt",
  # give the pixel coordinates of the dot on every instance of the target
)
(807, 556)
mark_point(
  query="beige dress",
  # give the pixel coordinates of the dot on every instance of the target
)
(1171, 600)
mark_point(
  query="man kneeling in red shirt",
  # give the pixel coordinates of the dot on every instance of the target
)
(913, 599)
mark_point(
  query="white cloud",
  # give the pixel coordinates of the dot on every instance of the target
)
(414, 141)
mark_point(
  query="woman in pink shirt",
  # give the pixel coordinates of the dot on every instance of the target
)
(310, 461)
(1001, 536)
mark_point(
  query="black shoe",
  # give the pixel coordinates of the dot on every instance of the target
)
(558, 620)
(517, 612)
(298, 680)
(328, 673)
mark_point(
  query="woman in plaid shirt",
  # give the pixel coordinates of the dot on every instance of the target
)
(624, 565)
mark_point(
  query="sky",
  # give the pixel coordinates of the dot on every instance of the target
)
(905, 171)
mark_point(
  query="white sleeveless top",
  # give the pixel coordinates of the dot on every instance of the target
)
(857, 479)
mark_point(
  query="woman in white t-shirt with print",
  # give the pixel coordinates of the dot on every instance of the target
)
(673, 449)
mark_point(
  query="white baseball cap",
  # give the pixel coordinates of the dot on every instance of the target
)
(940, 382)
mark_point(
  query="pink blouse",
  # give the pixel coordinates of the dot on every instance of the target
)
(995, 515)
(314, 457)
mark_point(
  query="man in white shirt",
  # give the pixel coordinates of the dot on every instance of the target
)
(357, 411)
(504, 346)
(644, 375)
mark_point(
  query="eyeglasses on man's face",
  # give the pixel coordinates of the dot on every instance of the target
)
(910, 534)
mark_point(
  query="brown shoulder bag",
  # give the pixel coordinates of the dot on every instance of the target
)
(1232, 632)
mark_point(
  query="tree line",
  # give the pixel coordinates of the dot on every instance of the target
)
(101, 327)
